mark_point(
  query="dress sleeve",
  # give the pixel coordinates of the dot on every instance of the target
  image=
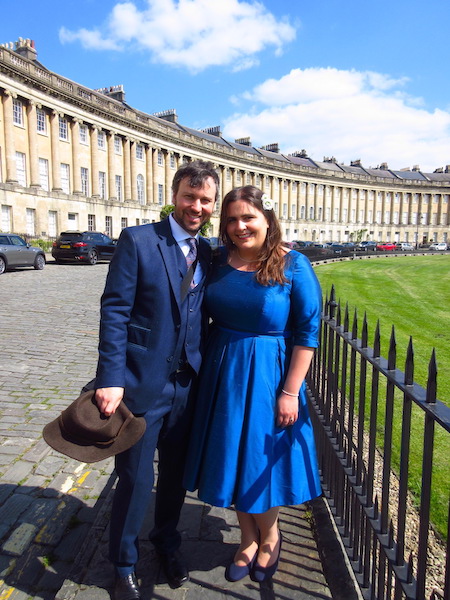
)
(306, 302)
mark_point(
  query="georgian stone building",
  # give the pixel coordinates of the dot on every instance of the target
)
(76, 158)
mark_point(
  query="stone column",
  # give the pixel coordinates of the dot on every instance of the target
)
(54, 141)
(155, 170)
(111, 166)
(133, 170)
(167, 179)
(32, 144)
(289, 202)
(10, 148)
(126, 170)
(94, 161)
(149, 174)
(76, 156)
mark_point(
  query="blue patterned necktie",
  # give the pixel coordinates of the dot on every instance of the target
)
(191, 255)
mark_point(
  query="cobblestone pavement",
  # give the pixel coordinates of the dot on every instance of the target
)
(54, 511)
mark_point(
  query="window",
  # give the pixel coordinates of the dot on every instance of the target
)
(91, 222)
(285, 210)
(63, 130)
(311, 212)
(387, 216)
(31, 221)
(6, 218)
(17, 112)
(228, 175)
(172, 161)
(41, 122)
(293, 211)
(405, 218)
(21, 168)
(119, 187)
(52, 220)
(43, 173)
(139, 151)
(285, 185)
(102, 184)
(108, 226)
(117, 145)
(72, 221)
(140, 189)
(160, 194)
(123, 222)
(84, 181)
(160, 158)
(336, 215)
(65, 178)
(101, 140)
(302, 212)
(83, 134)
(248, 178)
(396, 217)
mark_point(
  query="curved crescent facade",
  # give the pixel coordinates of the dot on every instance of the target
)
(76, 158)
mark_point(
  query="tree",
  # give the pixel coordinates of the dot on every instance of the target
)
(168, 208)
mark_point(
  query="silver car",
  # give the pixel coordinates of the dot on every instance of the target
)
(15, 252)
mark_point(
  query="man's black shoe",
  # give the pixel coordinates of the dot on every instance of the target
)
(126, 588)
(174, 568)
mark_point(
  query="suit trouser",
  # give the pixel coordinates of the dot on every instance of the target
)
(168, 426)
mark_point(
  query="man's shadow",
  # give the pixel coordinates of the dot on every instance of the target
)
(42, 531)
(204, 530)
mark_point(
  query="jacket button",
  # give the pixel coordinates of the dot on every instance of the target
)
(169, 358)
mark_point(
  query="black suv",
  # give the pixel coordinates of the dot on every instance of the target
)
(83, 246)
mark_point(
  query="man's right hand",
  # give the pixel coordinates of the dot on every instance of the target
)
(108, 399)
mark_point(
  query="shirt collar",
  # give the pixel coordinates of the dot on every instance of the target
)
(178, 232)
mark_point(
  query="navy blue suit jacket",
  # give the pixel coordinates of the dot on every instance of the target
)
(141, 316)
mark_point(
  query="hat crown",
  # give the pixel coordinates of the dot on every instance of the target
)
(84, 423)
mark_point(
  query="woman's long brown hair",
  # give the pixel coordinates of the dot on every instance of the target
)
(272, 262)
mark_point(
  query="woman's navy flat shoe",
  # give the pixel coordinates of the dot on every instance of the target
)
(260, 574)
(235, 573)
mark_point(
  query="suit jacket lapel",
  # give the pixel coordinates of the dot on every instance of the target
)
(169, 251)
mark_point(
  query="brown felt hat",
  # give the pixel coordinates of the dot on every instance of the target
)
(84, 433)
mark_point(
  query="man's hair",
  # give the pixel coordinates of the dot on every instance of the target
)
(197, 172)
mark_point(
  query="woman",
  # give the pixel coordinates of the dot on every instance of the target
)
(252, 442)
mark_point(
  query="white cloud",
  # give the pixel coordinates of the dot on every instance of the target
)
(92, 40)
(348, 114)
(194, 34)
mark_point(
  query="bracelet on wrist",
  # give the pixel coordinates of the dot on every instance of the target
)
(289, 394)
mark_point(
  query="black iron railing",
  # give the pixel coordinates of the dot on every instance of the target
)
(365, 412)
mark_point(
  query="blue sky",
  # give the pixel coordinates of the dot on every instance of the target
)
(353, 80)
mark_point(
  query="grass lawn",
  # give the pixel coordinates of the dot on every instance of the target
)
(411, 293)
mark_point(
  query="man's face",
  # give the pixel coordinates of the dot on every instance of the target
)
(194, 206)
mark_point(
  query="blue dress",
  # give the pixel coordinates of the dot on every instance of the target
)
(238, 455)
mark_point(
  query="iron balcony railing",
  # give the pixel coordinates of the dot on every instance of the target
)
(365, 412)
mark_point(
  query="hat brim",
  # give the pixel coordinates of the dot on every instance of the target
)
(60, 441)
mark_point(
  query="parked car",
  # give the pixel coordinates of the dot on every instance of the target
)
(367, 245)
(438, 246)
(386, 246)
(404, 246)
(84, 246)
(15, 252)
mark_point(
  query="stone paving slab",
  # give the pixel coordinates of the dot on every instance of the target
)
(54, 511)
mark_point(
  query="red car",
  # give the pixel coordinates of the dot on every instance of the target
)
(386, 246)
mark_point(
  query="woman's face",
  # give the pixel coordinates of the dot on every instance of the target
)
(246, 227)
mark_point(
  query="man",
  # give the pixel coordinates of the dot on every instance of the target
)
(149, 354)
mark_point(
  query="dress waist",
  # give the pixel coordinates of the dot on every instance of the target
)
(238, 332)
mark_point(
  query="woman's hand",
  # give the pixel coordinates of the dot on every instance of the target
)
(287, 412)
